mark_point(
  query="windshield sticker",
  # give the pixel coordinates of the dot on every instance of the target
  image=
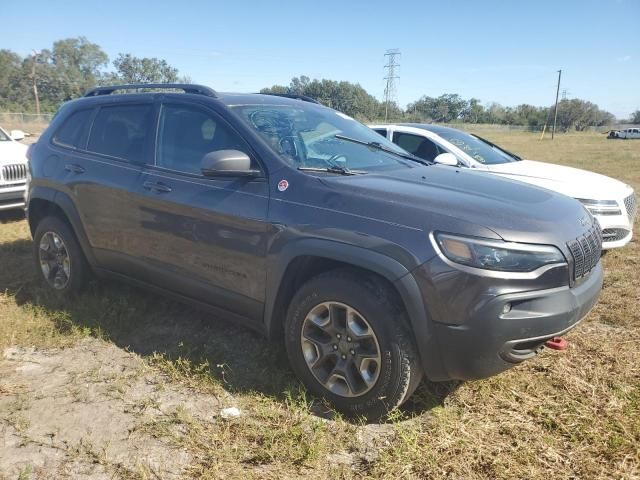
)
(283, 185)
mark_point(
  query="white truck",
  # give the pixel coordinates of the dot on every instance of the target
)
(627, 133)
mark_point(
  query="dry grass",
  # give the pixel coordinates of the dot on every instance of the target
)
(574, 414)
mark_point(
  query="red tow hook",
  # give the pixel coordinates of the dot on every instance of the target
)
(556, 343)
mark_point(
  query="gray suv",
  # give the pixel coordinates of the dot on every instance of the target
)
(374, 267)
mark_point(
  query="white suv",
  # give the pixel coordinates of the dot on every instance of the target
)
(13, 170)
(612, 202)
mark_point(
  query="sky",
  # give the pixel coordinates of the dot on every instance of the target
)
(497, 51)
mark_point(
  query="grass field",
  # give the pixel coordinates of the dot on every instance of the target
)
(574, 414)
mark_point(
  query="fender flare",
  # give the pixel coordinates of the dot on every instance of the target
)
(68, 207)
(387, 267)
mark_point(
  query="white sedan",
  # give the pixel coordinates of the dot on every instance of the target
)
(612, 202)
(13, 170)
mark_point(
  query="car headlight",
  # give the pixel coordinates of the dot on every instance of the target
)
(497, 255)
(601, 207)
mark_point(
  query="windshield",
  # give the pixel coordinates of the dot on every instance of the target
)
(476, 148)
(308, 135)
(3, 136)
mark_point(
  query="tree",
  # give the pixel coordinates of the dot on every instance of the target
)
(130, 69)
(581, 114)
(445, 108)
(635, 117)
(349, 98)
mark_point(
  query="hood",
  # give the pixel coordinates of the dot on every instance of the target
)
(439, 197)
(12, 152)
(570, 181)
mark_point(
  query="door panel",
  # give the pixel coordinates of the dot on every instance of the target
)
(204, 237)
(103, 177)
(207, 239)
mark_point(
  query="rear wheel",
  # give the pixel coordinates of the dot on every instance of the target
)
(58, 256)
(348, 340)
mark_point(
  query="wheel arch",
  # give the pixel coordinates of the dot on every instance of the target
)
(47, 201)
(309, 257)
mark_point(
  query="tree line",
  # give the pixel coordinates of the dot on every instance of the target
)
(74, 65)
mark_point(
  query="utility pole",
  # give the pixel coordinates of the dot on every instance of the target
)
(391, 77)
(555, 115)
(35, 84)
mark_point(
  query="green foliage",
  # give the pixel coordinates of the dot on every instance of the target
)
(635, 116)
(347, 97)
(71, 67)
(130, 69)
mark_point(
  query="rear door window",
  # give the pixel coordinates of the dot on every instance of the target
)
(73, 131)
(122, 131)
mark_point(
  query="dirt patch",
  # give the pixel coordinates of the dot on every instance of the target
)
(78, 412)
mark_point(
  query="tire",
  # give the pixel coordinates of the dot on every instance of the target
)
(64, 259)
(379, 385)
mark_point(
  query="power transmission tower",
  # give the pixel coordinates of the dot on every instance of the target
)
(555, 115)
(565, 93)
(33, 77)
(391, 76)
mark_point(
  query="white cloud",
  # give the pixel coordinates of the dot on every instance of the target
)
(623, 59)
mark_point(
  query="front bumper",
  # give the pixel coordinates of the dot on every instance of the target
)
(480, 339)
(12, 196)
(617, 230)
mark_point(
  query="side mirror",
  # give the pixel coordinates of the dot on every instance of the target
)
(446, 159)
(231, 163)
(17, 135)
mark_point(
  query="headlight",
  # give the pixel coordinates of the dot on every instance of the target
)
(497, 255)
(601, 207)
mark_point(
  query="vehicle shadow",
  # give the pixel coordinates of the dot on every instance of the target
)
(11, 216)
(145, 323)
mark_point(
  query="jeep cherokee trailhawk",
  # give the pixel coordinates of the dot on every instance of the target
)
(375, 267)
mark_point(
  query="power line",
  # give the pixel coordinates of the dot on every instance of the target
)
(390, 89)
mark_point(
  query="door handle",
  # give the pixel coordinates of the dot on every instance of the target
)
(157, 187)
(72, 167)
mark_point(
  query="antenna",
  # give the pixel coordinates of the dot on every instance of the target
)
(391, 76)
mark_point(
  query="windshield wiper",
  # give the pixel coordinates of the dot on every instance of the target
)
(333, 169)
(379, 146)
(491, 144)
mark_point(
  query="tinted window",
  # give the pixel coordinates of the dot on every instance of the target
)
(73, 131)
(382, 132)
(188, 133)
(420, 146)
(122, 131)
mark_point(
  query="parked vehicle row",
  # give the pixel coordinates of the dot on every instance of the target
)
(375, 266)
(612, 202)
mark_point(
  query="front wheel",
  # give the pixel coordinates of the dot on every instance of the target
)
(349, 342)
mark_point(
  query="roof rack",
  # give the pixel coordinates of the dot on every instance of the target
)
(185, 87)
(295, 96)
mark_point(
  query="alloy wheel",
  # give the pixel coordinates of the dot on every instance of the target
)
(340, 349)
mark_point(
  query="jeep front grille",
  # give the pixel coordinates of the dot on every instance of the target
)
(14, 173)
(586, 251)
(630, 204)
